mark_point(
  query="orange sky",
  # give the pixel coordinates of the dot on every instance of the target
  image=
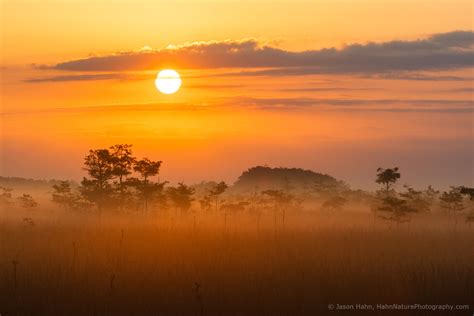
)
(346, 118)
(46, 30)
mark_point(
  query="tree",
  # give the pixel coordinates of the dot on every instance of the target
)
(146, 188)
(467, 191)
(281, 200)
(470, 193)
(147, 168)
(181, 196)
(233, 207)
(109, 178)
(28, 221)
(329, 189)
(99, 166)
(149, 192)
(430, 195)
(215, 192)
(63, 195)
(387, 177)
(397, 209)
(205, 203)
(256, 205)
(416, 199)
(122, 162)
(452, 200)
(5, 195)
(27, 201)
(334, 203)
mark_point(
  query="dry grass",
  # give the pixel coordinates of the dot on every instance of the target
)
(171, 266)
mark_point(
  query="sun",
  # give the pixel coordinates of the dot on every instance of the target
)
(168, 81)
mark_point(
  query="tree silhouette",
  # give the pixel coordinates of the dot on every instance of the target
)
(122, 163)
(382, 201)
(286, 179)
(205, 203)
(430, 195)
(470, 193)
(387, 177)
(255, 205)
(329, 189)
(467, 191)
(146, 188)
(334, 203)
(28, 221)
(63, 195)
(215, 192)
(397, 209)
(109, 178)
(281, 200)
(452, 200)
(181, 196)
(416, 199)
(5, 195)
(147, 168)
(27, 201)
(233, 207)
(99, 166)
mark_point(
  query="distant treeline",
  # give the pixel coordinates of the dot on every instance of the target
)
(120, 182)
(29, 184)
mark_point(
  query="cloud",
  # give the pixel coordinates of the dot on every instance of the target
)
(326, 89)
(462, 39)
(461, 90)
(386, 105)
(279, 104)
(315, 101)
(87, 77)
(268, 72)
(132, 107)
(305, 71)
(438, 52)
(274, 72)
(214, 86)
(417, 77)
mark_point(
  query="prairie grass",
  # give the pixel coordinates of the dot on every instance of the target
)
(165, 265)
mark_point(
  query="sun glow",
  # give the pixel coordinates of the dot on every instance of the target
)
(168, 81)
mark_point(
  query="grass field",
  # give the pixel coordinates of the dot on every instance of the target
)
(164, 265)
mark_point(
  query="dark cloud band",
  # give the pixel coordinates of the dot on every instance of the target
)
(444, 51)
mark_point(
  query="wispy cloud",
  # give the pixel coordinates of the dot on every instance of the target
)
(310, 101)
(391, 105)
(142, 107)
(285, 104)
(214, 86)
(417, 77)
(307, 71)
(327, 89)
(88, 77)
(462, 90)
(451, 50)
